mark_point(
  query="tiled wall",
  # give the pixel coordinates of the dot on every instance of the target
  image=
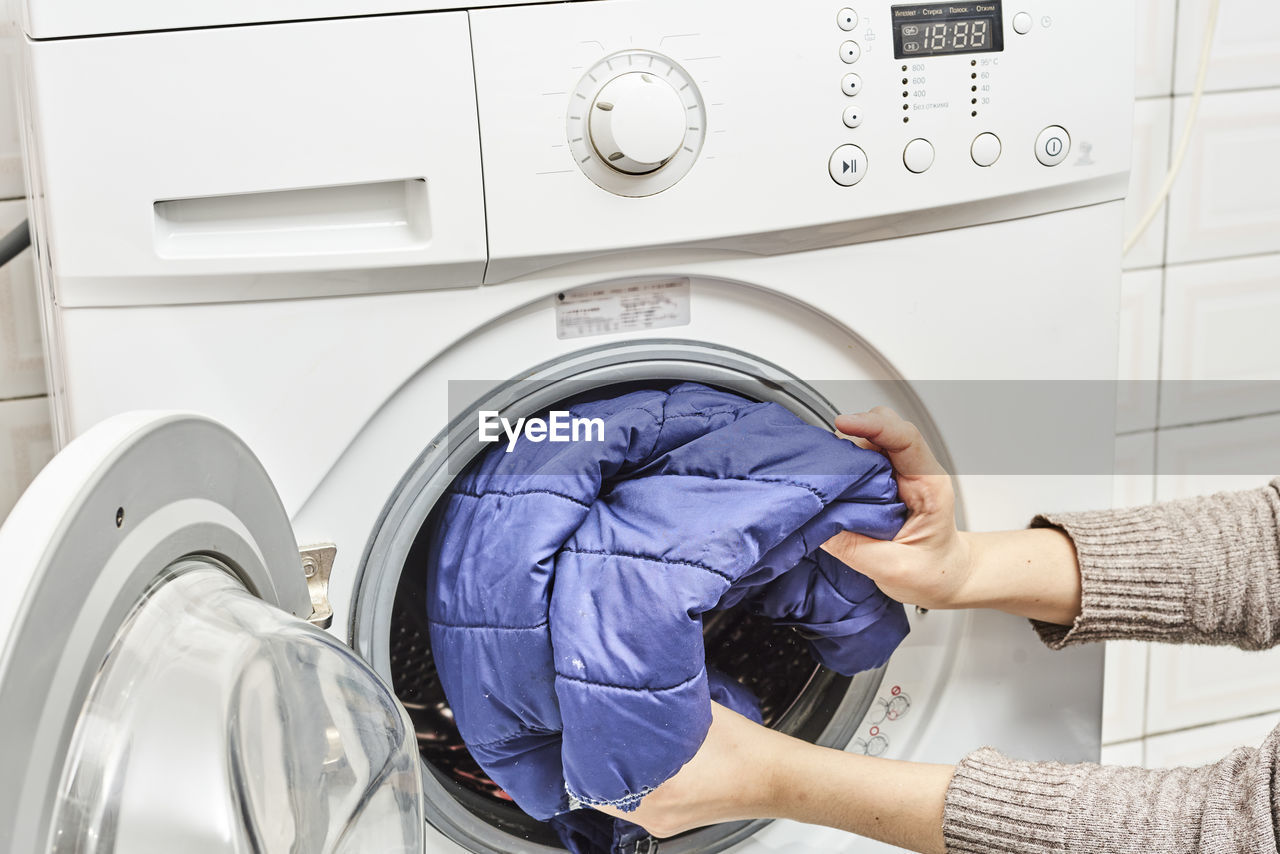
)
(1201, 301)
(25, 439)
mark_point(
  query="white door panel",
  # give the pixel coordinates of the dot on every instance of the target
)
(1226, 201)
(1151, 118)
(1204, 745)
(1139, 367)
(1155, 33)
(1246, 43)
(1220, 356)
(1127, 754)
(1192, 685)
(1225, 457)
(1124, 691)
(1135, 479)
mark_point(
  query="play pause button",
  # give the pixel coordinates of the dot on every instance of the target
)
(848, 165)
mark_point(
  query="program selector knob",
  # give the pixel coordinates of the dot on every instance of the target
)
(637, 123)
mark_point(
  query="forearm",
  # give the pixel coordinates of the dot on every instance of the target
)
(900, 803)
(745, 771)
(1205, 570)
(1029, 573)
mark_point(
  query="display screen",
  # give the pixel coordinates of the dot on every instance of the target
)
(933, 29)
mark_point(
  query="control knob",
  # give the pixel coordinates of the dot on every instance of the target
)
(637, 123)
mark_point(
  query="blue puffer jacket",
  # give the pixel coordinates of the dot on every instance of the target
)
(568, 581)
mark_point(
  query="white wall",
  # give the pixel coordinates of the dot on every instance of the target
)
(25, 439)
(1201, 302)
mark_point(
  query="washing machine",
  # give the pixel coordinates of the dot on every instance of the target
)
(341, 230)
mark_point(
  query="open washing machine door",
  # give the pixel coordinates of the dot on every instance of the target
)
(160, 688)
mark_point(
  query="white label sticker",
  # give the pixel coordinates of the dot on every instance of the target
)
(624, 308)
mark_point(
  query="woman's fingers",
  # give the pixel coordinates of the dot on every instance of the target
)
(896, 438)
(926, 563)
(844, 546)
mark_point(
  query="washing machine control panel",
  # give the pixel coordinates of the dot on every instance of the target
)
(464, 146)
(949, 58)
(817, 124)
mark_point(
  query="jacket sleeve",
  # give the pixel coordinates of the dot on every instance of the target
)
(997, 804)
(1203, 571)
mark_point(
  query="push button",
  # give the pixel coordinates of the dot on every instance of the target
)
(849, 52)
(847, 18)
(852, 116)
(918, 155)
(985, 149)
(1052, 145)
(848, 165)
(851, 84)
(1022, 23)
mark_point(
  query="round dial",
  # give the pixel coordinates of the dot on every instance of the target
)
(636, 123)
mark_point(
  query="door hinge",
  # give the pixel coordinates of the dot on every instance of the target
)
(317, 564)
(643, 845)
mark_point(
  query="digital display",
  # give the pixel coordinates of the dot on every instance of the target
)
(934, 29)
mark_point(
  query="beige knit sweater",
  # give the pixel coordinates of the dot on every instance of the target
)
(1203, 571)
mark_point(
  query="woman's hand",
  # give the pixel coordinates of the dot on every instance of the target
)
(730, 778)
(929, 563)
(745, 771)
(1031, 573)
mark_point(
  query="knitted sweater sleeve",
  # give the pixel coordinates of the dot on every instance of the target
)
(1201, 571)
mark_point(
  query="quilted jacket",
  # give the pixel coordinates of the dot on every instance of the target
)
(567, 582)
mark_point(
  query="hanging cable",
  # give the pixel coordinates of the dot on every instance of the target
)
(1184, 142)
(14, 242)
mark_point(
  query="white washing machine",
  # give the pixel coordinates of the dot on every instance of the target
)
(342, 228)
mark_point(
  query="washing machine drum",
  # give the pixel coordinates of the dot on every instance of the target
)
(726, 499)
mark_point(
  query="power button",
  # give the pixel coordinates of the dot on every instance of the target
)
(1052, 145)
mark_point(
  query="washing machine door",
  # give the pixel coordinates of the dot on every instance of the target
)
(160, 688)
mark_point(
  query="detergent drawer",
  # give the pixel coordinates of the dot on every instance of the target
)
(50, 19)
(257, 162)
